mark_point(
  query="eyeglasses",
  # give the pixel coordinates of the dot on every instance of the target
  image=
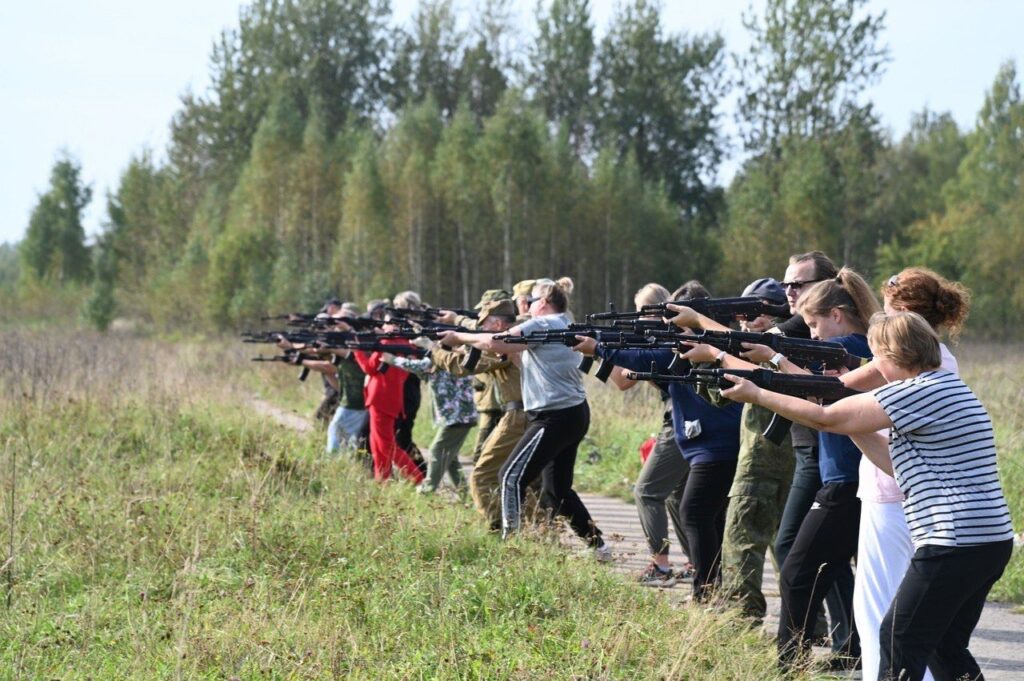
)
(798, 284)
(894, 280)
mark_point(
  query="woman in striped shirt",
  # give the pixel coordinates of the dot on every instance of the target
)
(944, 460)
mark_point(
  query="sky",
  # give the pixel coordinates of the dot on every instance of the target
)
(102, 79)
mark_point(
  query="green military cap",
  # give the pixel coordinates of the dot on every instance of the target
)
(524, 287)
(496, 308)
(492, 294)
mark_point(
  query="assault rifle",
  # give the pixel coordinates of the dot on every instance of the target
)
(722, 310)
(427, 314)
(567, 337)
(294, 357)
(825, 388)
(802, 352)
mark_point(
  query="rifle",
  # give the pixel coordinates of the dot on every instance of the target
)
(826, 388)
(802, 352)
(427, 313)
(722, 310)
(293, 357)
(567, 337)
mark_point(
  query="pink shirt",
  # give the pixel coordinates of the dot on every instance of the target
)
(879, 487)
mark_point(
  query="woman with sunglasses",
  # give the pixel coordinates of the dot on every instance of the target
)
(558, 415)
(837, 310)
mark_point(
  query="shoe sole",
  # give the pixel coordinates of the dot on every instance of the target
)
(664, 584)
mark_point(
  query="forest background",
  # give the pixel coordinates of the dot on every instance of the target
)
(336, 153)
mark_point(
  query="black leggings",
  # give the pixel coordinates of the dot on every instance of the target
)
(824, 545)
(936, 609)
(703, 506)
(551, 437)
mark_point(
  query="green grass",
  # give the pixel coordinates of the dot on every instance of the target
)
(162, 530)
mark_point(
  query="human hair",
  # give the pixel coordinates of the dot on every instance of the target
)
(651, 294)
(407, 300)
(691, 290)
(824, 268)
(847, 291)
(906, 339)
(943, 303)
(555, 292)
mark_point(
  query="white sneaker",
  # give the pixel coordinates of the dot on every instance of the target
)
(603, 554)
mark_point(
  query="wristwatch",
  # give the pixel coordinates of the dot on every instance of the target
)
(776, 360)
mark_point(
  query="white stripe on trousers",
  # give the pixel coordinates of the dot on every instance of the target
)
(510, 495)
(884, 551)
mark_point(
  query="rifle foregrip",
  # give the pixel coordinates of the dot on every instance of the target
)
(304, 374)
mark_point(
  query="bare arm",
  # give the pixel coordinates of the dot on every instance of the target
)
(856, 415)
(619, 380)
(866, 377)
(875, 446)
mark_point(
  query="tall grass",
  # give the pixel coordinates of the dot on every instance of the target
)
(162, 530)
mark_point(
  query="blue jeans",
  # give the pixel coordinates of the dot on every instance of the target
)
(344, 428)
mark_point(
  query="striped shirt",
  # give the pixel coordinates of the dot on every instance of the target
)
(944, 457)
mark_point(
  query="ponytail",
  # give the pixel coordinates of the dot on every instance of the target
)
(555, 292)
(848, 292)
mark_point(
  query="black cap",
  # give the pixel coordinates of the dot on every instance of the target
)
(766, 289)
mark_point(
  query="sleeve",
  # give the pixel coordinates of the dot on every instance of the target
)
(893, 400)
(421, 367)
(530, 326)
(451, 361)
(637, 359)
(368, 362)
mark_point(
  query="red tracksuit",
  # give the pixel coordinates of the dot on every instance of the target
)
(384, 397)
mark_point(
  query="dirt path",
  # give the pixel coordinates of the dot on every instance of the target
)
(998, 642)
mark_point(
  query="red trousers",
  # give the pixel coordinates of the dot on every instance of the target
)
(386, 450)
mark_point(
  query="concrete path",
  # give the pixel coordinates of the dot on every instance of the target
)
(998, 642)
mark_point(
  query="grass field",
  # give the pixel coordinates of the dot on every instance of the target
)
(162, 530)
(609, 460)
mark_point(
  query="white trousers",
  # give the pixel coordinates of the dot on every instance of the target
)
(884, 551)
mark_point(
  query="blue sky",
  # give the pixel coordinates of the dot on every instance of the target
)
(103, 78)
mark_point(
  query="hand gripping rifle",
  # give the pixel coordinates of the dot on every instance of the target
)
(722, 310)
(825, 388)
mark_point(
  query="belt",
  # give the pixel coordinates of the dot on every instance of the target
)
(512, 406)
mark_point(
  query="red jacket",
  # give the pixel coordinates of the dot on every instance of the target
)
(383, 392)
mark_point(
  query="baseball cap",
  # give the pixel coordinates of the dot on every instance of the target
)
(766, 289)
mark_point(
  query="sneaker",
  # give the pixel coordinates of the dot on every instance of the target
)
(603, 553)
(686, 573)
(656, 577)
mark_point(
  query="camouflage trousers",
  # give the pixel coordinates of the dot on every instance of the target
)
(755, 508)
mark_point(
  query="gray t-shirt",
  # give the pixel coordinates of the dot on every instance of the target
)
(551, 379)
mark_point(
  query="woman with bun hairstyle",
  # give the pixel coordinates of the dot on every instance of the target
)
(558, 415)
(884, 547)
(941, 451)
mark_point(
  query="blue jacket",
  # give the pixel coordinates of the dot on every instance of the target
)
(838, 457)
(719, 438)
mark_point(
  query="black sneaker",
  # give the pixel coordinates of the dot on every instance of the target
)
(656, 577)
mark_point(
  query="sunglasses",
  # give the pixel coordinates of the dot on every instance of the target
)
(893, 281)
(530, 300)
(797, 285)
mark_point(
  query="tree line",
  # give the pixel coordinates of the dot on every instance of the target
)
(335, 152)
